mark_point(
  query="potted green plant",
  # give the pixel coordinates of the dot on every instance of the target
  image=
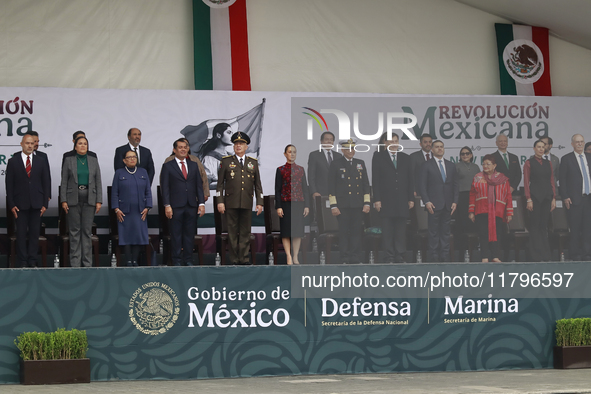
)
(573, 343)
(54, 358)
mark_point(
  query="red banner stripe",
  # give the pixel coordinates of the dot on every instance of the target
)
(239, 44)
(542, 86)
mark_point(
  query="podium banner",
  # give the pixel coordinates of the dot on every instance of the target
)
(210, 322)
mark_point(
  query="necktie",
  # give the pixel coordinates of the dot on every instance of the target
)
(184, 169)
(546, 157)
(442, 170)
(329, 157)
(394, 161)
(241, 162)
(585, 176)
(506, 161)
(137, 155)
(427, 155)
(28, 167)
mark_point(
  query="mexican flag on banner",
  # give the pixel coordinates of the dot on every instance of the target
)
(220, 41)
(524, 61)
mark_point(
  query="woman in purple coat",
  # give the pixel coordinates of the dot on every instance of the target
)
(131, 198)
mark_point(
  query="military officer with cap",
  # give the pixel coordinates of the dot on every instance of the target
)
(348, 193)
(238, 180)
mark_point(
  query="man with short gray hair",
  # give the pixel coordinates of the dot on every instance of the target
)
(575, 191)
(507, 163)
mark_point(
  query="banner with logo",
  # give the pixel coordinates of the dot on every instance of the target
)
(211, 322)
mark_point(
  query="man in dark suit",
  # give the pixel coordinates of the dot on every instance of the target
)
(318, 163)
(40, 154)
(393, 188)
(575, 190)
(348, 194)
(439, 191)
(144, 156)
(27, 192)
(72, 152)
(554, 160)
(418, 158)
(238, 180)
(507, 163)
(182, 195)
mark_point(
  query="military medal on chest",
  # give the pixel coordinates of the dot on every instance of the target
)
(250, 166)
(232, 174)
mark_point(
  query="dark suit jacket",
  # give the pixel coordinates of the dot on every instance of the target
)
(513, 172)
(555, 169)
(433, 189)
(318, 171)
(393, 187)
(178, 191)
(417, 159)
(571, 178)
(123, 186)
(348, 184)
(22, 191)
(146, 160)
(44, 156)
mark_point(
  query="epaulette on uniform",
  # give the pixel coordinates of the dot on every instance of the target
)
(225, 157)
(252, 158)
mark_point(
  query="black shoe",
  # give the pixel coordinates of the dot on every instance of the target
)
(129, 264)
(189, 264)
(135, 264)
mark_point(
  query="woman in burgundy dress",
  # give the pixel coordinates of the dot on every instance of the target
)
(292, 203)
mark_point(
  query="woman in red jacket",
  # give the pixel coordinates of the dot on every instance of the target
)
(490, 207)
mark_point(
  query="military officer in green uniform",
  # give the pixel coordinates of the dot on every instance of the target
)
(348, 194)
(238, 180)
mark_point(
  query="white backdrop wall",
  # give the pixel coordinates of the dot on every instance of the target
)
(383, 46)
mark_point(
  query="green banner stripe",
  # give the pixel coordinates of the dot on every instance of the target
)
(504, 37)
(202, 46)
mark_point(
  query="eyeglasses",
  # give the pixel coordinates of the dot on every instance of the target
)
(131, 158)
(465, 153)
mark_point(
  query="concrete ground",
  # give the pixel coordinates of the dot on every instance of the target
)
(539, 381)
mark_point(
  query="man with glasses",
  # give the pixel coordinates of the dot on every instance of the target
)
(575, 187)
